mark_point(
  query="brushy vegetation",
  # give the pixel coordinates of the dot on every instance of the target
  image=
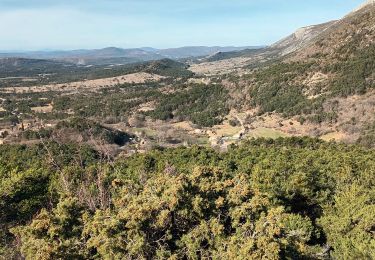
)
(276, 89)
(295, 198)
(355, 73)
(79, 128)
(201, 104)
(47, 72)
(367, 138)
(109, 103)
(90, 129)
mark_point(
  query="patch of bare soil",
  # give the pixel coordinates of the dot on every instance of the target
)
(150, 106)
(219, 67)
(315, 79)
(44, 109)
(353, 112)
(184, 125)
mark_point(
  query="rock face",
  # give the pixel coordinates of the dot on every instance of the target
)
(366, 4)
(295, 42)
(354, 32)
(300, 38)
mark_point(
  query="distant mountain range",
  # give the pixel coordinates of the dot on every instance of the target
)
(297, 40)
(113, 55)
(300, 39)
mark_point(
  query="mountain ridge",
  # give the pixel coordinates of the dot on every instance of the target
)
(114, 55)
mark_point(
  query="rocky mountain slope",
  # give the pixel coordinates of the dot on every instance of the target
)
(300, 38)
(322, 78)
(317, 82)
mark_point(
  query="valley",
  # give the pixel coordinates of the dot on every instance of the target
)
(254, 152)
(304, 85)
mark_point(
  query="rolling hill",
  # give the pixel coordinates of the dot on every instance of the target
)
(114, 55)
(215, 165)
(322, 75)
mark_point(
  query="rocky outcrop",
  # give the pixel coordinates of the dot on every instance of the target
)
(300, 38)
(364, 5)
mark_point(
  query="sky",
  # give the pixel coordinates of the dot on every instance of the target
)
(88, 24)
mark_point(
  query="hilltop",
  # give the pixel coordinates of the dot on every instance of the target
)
(318, 81)
(115, 55)
(193, 153)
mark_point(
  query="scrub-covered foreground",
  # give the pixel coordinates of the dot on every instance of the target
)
(272, 199)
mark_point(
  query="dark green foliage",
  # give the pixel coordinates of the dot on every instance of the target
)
(288, 100)
(355, 73)
(46, 71)
(94, 105)
(201, 104)
(116, 102)
(57, 235)
(234, 122)
(282, 73)
(275, 88)
(41, 134)
(165, 67)
(90, 129)
(367, 137)
(234, 54)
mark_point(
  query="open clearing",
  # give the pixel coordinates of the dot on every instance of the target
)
(91, 85)
(334, 136)
(226, 130)
(266, 133)
(219, 67)
(44, 109)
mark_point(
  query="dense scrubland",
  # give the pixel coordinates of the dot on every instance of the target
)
(62, 196)
(296, 198)
(14, 70)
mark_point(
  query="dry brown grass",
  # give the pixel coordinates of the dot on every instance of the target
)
(90, 85)
(220, 67)
(187, 126)
(334, 136)
(44, 109)
(226, 130)
(150, 106)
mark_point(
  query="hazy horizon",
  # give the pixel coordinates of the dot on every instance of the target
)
(39, 25)
(141, 47)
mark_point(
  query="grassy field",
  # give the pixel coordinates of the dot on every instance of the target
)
(147, 131)
(266, 133)
(227, 130)
(336, 136)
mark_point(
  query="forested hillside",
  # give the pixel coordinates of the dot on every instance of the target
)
(197, 159)
(326, 85)
(18, 72)
(337, 63)
(286, 198)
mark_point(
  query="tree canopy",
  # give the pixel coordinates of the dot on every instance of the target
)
(296, 198)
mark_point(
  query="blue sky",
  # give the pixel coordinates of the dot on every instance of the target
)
(74, 24)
